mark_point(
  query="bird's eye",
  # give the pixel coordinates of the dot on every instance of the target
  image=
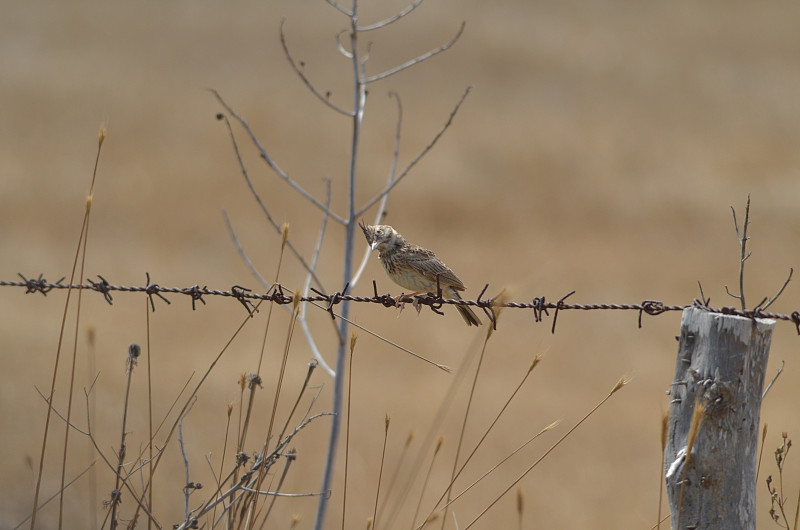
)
(379, 231)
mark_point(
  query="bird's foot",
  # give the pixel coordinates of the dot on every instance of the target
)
(402, 305)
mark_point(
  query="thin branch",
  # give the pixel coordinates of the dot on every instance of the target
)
(743, 244)
(416, 159)
(417, 60)
(340, 46)
(382, 208)
(340, 8)
(788, 279)
(186, 490)
(278, 228)
(270, 162)
(314, 349)
(390, 20)
(276, 494)
(264, 283)
(56, 494)
(108, 463)
(325, 98)
(780, 370)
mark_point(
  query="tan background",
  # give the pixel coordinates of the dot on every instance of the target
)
(600, 150)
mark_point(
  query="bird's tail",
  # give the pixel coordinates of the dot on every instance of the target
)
(467, 313)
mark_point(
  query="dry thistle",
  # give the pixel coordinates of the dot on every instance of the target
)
(353, 340)
(101, 136)
(134, 350)
(243, 381)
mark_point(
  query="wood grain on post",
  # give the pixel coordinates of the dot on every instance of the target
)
(720, 371)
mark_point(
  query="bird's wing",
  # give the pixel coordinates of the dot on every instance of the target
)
(426, 262)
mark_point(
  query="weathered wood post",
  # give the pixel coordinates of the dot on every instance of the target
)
(720, 370)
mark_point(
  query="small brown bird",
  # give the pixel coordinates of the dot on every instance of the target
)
(415, 268)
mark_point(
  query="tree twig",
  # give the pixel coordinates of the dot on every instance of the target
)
(417, 60)
(416, 159)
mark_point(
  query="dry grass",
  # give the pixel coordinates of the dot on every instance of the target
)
(600, 151)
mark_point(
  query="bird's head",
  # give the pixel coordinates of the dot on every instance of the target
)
(381, 237)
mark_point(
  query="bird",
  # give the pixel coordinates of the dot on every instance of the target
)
(416, 268)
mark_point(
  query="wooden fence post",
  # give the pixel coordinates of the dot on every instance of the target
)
(720, 371)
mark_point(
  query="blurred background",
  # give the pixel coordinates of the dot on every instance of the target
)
(600, 149)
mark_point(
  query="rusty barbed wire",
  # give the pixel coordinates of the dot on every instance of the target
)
(280, 295)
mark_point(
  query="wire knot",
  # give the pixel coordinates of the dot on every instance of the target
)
(240, 293)
(197, 294)
(335, 298)
(539, 307)
(651, 307)
(153, 289)
(796, 320)
(37, 285)
(102, 287)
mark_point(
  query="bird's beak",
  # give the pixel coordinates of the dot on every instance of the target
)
(373, 245)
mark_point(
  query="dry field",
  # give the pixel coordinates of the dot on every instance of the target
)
(600, 150)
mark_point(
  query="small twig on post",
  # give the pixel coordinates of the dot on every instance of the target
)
(742, 236)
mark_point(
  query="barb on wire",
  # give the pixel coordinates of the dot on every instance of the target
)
(279, 295)
(151, 289)
(37, 285)
(102, 287)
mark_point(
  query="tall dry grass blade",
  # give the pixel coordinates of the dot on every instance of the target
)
(291, 456)
(442, 412)
(81, 238)
(694, 429)
(664, 431)
(353, 340)
(278, 387)
(380, 472)
(621, 383)
(425, 483)
(761, 453)
(91, 335)
(537, 359)
(396, 473)
(466, 417)
(133, 355)
(147, 309)
(56, 494)
(505, 459)
(208, 371)
(222, 455)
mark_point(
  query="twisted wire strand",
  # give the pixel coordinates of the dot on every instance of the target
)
(281, 295)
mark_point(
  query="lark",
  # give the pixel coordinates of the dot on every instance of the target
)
(415, 268)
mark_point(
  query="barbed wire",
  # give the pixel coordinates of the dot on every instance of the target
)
(281, 295)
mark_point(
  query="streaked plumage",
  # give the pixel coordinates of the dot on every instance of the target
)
(415, 268)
